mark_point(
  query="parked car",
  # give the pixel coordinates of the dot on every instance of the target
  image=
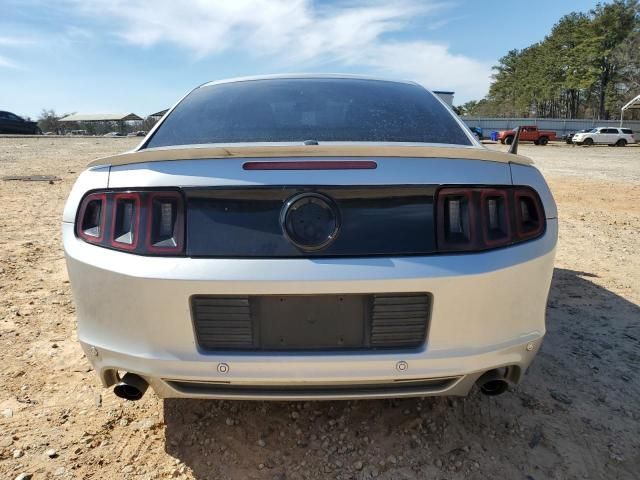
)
(477, 131)
(13, 124)
(569, 136)
(528, 133)
(611, 136)
(310, 237)
(113, 134)
(139, 133)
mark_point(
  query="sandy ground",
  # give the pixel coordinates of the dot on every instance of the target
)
(576, 415)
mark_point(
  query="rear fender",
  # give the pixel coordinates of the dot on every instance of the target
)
(531, 176)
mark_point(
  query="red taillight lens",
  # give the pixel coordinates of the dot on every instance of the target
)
(144, 222)
(529, 221)
(476, 218)
(125, 223)
(91, 220)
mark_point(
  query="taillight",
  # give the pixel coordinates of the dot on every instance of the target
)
(165, 230)
(125, 221)
(478, 218)
(496, 225)
(143, 222)
(458, 219)
(529, 217)
(91, 220)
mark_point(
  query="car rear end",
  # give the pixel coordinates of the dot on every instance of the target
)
(319, 269)
(628, 136)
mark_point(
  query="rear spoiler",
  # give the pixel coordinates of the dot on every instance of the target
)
(297, 150)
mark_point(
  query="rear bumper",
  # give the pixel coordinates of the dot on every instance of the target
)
(319, 377)
(488, 312)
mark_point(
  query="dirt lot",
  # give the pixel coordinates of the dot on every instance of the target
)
(577, 414)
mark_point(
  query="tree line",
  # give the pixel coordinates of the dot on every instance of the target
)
(587, 67)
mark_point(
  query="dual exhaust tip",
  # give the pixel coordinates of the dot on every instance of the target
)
(493, 383)
(133, 387)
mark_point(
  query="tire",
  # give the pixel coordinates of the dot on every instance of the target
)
(508, 140)
(536, 142)
(543, 141)
(588, 141)
(621, 143)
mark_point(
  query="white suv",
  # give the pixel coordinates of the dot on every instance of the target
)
(618, 137)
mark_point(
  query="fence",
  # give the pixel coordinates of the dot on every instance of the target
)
(559, 125)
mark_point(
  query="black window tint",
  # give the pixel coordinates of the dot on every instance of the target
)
(627, 131)
(292, 110)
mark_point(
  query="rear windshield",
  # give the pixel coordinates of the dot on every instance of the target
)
(292, 110)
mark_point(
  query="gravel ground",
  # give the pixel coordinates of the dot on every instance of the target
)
(599, 162)
(576, 415)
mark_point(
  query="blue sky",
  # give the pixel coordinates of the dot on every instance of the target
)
(141, 56)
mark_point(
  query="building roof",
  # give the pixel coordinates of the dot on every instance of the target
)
(160, 113)
(633, 104)
(100, 117)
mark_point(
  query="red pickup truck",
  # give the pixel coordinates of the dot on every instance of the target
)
(528, 133)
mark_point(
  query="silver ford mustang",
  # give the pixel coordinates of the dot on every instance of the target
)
(310, 237)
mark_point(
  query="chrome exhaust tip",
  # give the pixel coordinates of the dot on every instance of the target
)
(131, 387)
(493, 383)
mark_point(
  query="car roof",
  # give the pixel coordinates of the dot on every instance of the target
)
(304, 75)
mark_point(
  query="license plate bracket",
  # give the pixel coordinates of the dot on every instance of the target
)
(307, 322)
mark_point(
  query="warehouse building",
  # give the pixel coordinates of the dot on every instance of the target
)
(101, 123)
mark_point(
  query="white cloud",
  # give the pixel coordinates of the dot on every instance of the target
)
(74, 32)
(298, 33)
(15, 41)
(432, 65)
(11, 42)
(6, 63)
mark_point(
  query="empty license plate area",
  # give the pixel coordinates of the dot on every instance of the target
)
(310, 322)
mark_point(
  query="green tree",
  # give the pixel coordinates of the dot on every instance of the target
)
(587, 66)
(48, 121)
(611, 25)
